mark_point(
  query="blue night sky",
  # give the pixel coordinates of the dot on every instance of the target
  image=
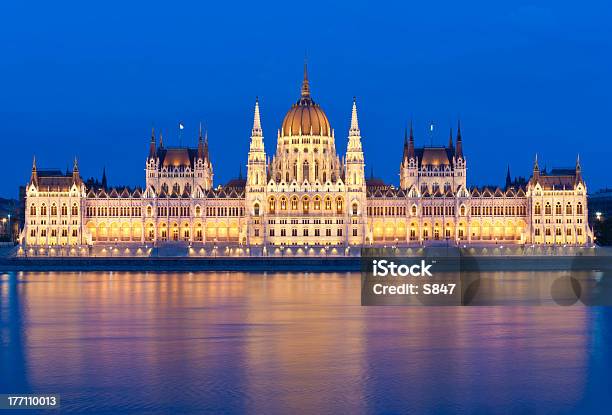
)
(90, 80)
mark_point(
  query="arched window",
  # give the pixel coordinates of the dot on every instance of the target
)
(317, 203)
(75, 210)
(272, 205)
(558, 210)
(283, 203)
(339, 205)
(53, 210)
(328, 203)
(188, 189)
(64, 210)
(165, 187)
(355, 208)
(568, 209)
(462, 210)
(547, 209)
(256, 209)
(198, 210)
(316, 166)
(305, 205)
(305, 172)
(294, 203)
(33, 209)
(295, 170)
(149, 210)
(414, 210)
(538, 209)
(579, 208)
(176, 188)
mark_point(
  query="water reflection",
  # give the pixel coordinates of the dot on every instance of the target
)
(291, 343)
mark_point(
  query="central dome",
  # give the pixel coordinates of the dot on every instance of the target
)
(305, 117)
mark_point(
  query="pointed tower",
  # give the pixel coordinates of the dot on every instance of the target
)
(460, 164)
(255, 191)
(161, 141)
(536, 169)
(508, 178)
(578, 170)
(104, 182)
(203, 170)
(200, 144)
(459, 150)
(451, 147)
(76, 178)
(355, 164)
(256, 165)
(34, 175)
(409, 166)
(152, 146)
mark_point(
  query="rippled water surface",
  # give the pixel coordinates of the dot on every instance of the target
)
(290, 343)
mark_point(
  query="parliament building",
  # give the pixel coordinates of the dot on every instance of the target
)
(303, 199)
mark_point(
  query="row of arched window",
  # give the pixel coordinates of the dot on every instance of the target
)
(498, 210)
(558, 209)
(63, 210)
(283, 203)
(122, 211)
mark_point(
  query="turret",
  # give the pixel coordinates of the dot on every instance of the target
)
(76, 178)
(578, 170)
(152, 147)
(408, 168)
(354, 164)
(200, 145)
(104, 183)
(508, 178)
(536, 169)
(459, 150)
(256, 167)
(34, 176)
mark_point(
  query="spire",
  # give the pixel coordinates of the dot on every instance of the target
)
(161, 141)
(411, 142)
(200, 144)
(75, 170)
(354, 120)
(459, 149)
(508, 178)
(256, 132)
(104, 184)
(578, 169)
(536, 167)
(34, 176)
(450, 140)
(240, 172)
(305, 83)
(152, 144)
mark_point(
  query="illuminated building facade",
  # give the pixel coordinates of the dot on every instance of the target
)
(305, 196)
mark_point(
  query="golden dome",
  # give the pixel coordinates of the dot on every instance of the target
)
(305, 117)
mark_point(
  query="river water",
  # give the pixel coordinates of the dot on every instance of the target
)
(161, 343)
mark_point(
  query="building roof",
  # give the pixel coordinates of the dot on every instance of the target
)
(434, 156)
(177, 156)
(306, 117)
